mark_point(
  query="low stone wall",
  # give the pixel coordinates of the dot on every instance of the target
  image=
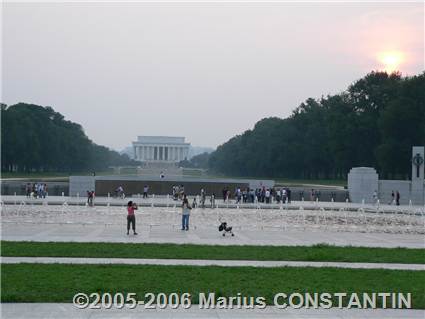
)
(103, 187)
(19, 187)
(387, 186)
(81, 184)
(363, 182)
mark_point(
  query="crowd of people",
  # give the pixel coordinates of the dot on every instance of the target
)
(36, 190)
(258, 195)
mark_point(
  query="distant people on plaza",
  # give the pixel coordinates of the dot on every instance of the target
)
(181, 192)
(194, 203)
(212, 200)
(252, 195)
(176, 191)
(392, 202)
(145, 191)
(131, 217)
(162, 175)
(375, 196)
(397, 198)
(202, 198)
(284, 195)
(278, 195)
(288, 195)
(90, 197)
(238, 195)
(312, 193)
(28, 190)
(267, 196)
(36, 190)
(317, 195)
(224, 192)
(120, 192)
(185, 213)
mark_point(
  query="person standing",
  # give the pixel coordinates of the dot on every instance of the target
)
(202, 198)
(392, 198)
(397, 198)
(185, 213)
(267, 195)
(28, 190)
(375, 197)
(131, 217)
(145, 191)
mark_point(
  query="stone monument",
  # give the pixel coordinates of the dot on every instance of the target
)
(362, 183)
(417, 188)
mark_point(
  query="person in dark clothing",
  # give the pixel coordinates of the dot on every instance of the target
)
(397, 198)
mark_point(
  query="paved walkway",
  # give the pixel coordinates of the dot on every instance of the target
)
(68, 311)
(208, 236)
(204, 262)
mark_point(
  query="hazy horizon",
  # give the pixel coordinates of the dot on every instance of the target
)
(205, 71)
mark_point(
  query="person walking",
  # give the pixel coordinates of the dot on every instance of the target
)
(185, 213)
(397, 198)
(131, 217)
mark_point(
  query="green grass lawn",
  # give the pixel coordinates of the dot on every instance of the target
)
(290, 181)
(186, 172)
(324, 182)
(58, 283)
(171, 251)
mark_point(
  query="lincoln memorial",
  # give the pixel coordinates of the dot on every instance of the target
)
(160, 149)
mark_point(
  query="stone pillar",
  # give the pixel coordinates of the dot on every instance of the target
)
(417, 186)
(362, 183)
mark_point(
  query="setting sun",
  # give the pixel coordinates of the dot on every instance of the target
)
(391, 61)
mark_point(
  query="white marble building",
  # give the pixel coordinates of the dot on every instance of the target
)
(160, 149)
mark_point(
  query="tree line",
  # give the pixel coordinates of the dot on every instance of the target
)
(375, 123)
(38, 139)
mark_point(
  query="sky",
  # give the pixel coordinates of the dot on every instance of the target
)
(206, 71)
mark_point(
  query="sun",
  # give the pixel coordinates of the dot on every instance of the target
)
(390, 60)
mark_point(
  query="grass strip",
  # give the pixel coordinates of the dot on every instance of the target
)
(59, 283)
(173, 251)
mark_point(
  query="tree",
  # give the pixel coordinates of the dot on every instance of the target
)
(36, 138)
(375, 122)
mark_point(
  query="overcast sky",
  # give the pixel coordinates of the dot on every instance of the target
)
(203, 71)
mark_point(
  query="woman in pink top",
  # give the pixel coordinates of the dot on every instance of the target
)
(131, 218)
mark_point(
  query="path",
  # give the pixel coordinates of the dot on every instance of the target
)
(207, 236)
(68, 311)
(204, 262)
